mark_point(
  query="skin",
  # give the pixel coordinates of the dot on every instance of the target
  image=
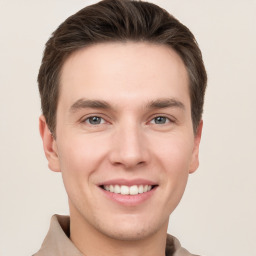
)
(138, 82)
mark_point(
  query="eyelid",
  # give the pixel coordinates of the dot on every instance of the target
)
(171, 119)
(106, 119)
(100, 115)
(102, 120)
(153, 121)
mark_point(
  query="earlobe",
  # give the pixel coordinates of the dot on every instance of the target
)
(49, 144)
(195, 156)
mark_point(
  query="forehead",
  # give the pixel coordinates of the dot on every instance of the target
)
(129, 69)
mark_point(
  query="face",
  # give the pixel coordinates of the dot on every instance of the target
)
(124, 137)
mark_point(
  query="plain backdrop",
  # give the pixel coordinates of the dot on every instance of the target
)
(217, 215)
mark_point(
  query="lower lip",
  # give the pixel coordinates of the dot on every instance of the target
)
(129, 200)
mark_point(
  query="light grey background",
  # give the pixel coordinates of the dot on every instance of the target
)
(217, 213)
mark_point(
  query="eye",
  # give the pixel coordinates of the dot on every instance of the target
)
(160, 120)
(94, 120)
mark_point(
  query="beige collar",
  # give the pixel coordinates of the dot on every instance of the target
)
(57, 241)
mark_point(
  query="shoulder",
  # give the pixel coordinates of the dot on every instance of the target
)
(57, 240)
(174, 248)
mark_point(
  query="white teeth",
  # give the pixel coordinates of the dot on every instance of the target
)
(134, 190)
(117, 189)
(125, 190)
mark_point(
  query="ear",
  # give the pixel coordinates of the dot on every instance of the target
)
(195, 155)
(50, 145)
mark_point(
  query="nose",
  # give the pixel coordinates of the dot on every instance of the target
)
(129, 147)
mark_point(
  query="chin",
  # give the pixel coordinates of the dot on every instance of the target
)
(131, 229)
(129, 234)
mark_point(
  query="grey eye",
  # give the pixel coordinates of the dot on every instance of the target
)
(94, 120)
(160, 120)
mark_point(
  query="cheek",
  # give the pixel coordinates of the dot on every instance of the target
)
(76, 168)
(175, 156)
(175, 152)
(80, 157)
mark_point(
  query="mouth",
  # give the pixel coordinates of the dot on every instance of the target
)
(128, 190)
(129, 193)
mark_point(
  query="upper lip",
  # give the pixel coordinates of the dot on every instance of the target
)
(127, 182)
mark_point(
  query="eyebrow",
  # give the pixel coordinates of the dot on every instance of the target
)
(84, 103)
(165, 103)
(101, 104)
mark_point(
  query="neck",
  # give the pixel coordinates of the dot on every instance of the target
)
(91, 241)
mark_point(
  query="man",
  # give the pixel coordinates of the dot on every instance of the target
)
(122, 88)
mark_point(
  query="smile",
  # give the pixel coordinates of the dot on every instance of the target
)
(128, 190)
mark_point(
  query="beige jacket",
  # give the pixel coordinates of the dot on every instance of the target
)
(57, 242)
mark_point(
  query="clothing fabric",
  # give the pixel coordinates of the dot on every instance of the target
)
(57, 242)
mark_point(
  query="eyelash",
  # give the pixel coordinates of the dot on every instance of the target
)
(91, 117)
(167, 120)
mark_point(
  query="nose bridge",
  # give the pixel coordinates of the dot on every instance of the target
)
(129, 144)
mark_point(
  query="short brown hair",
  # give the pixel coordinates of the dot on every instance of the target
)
(119, 20)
